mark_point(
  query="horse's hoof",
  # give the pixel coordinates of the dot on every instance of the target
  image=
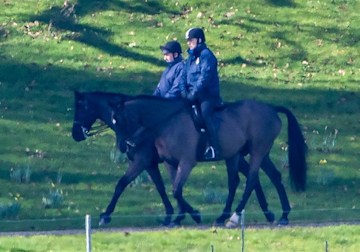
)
(178, 219)
(166, 222)
(104, 219)
(218, 224)
(196, 216)
(231, 224)
(270, 216)
(221, 220)
(283, 222)
(173, 224)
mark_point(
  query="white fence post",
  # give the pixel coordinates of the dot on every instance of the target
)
(242, 230)
(88, 232)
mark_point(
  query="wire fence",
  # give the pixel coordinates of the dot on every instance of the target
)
(86, 227)
(88, 230)
(254, 219)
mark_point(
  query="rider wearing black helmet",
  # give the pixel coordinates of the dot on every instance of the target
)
(168, 85)
(200, 83)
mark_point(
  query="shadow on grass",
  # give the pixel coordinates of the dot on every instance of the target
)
(151, 7)
(27, 89)
(349, 36)
(307, 100)
(61, 18)
(25, 84)
(282, 3)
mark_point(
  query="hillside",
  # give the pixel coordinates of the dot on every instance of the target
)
(300, 54)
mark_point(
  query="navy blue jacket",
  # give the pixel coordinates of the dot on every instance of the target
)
(168, 86)
(200, 75)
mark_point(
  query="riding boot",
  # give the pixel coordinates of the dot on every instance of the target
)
(212, 151)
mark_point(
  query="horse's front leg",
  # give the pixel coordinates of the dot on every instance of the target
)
(131, 173)
(183, 172)
(155, 175)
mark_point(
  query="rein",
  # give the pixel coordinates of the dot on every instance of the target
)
(96, 130)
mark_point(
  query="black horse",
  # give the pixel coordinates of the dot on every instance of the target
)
(244, 127)
(96, 105)
(92, 106)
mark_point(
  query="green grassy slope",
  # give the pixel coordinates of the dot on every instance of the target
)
(300, 54)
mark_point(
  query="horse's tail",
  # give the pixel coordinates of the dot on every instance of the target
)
(297, 150)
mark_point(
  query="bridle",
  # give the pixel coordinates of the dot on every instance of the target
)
(95, 130)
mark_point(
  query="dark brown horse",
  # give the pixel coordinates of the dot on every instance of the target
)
(96, 105)
(244, 127)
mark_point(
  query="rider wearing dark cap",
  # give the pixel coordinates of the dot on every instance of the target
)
(168, 85)
(200, 83)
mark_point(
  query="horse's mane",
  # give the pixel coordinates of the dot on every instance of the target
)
(154, 109)
(108, 94)
(158, 98)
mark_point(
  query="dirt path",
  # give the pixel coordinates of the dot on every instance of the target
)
(151, 229)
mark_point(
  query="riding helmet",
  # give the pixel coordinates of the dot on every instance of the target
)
(197, 33)
(171, 47)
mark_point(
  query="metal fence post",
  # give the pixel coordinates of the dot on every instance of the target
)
(88, 232)
(242, 230)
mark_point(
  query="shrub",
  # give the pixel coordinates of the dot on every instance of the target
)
(21, 174)
(54, 199)
(10, 210)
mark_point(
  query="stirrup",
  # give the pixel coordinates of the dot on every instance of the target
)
(209, 153)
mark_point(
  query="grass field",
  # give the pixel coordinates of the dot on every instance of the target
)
(300, 54)
(332, 238)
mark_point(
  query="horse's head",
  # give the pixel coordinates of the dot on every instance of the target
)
(84, 117)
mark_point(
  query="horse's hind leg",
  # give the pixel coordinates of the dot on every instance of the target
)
(183, 172)
(185, 207)
(244, 169)
(275, 177)
(233, 165)
(158, 181)
(233, 182)
(251, 183)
